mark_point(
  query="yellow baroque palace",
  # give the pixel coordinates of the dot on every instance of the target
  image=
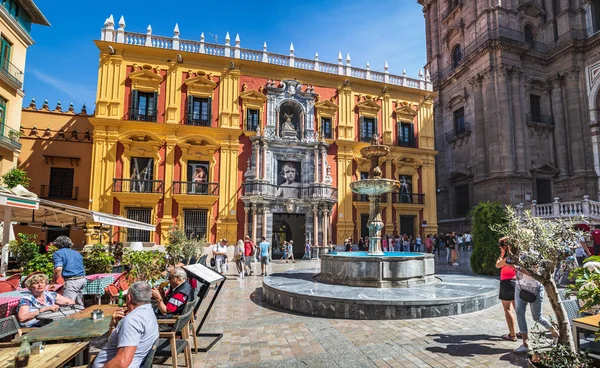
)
(223, 141)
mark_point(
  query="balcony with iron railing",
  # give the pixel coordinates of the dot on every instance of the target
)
(194, 119)
(458, 133)
(69, 193)
(409, 142)
(9, 137)
(195, 188)
(137, 186)
(304, 191)
(535, 119)
(136, 115)
(409, 198)
(452, 6)
(11, 74)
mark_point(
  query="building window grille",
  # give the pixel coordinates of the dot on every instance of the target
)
(252, 119)
(61, 183)
(143, 106)
(462, 202)
(199, 111)
(459, 121)
(326, 128)
(368, 127)
(456, 56)
(406, 135)
(142, 215)
(195, 224)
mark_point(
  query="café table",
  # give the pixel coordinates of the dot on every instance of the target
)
(75, 327)
(54, 355)
(589, 323)
(8, 305)
(97, 283)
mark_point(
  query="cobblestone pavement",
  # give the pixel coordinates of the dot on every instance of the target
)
(259, 335)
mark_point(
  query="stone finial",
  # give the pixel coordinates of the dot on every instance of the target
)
(32, 104)
(348, 58)
(74, 134)
(149, 29)
(202, 37)
(386, 67)
(368, 65)
(83, 110)
(265, 46)
(110, 22)
(122, 23)
(340, 57)
(316, 56)
(237, 39)
(61, 133)
(244, 87)
(291, 48)
(47, 132)
(404, 72)
(421, 73)
(176, 31)
(71, 109)
(58, 107)
(427, 75)
(45, 105)
(34, 130)
(227, 39)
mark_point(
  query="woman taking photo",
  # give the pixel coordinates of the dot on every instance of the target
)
(507, 289)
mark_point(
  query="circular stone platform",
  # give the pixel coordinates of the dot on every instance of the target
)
(391, 269)
(298, 291)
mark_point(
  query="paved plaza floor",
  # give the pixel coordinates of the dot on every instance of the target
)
(259, 335)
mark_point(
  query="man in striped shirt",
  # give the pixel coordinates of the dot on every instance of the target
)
(173, 302)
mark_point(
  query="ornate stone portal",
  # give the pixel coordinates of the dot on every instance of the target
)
(288, 181)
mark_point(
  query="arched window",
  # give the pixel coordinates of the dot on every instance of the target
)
(529, 36)
(456, 56)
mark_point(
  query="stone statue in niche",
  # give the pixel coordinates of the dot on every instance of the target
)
(288, 130)
(328, 178)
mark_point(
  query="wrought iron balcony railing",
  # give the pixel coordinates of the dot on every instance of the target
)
(195, 188)
(539, 119)
(137, 186)
(305, 191)
(414, 198)
(455, 134)
(11, 73)
(59, 193)
(10, 136)
(135, 114)
(191, 120)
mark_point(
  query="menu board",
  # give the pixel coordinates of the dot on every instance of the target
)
(204, 273)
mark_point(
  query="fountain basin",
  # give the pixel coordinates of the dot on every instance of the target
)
(390, 270)
(375, 187)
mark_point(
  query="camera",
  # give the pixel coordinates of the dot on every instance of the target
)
(502, 244)
(509, 261)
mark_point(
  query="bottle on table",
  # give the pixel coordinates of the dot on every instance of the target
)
(121, 299)
(22, 358)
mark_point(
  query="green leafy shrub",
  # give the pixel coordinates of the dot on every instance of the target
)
(97, 259)
(193, 248)
(145, 265)
(14, 177)
(25, 249)
(175, 248)
(42, 263)
(485, 240)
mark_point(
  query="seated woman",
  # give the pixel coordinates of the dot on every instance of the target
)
(38, 300)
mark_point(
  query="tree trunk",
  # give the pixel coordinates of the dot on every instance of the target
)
(564, 327)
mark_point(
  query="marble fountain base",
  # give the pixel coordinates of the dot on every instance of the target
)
(300, 291)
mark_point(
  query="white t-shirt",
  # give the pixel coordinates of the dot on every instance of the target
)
(221, 249)
(468, 238)
(579, 251)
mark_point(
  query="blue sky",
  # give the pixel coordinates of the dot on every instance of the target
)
(62, 64)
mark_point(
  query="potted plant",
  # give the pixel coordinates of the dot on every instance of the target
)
(559, 356)
(42, 263)
(145, 265)
(177, 241)
(193, 249)
(539, 246)
(96, 259)
(25, 249)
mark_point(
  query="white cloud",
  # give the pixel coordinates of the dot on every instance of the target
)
(77, 92)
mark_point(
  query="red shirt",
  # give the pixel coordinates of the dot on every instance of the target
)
(596, 236)
(248, 247)
(507, 273)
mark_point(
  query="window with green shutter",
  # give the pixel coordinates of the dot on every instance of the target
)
(368, 127)
(143, 106)
(326, 128)
(252, 119)
(199, 111)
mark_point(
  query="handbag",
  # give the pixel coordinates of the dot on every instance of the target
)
(213, 262)
(526, 295)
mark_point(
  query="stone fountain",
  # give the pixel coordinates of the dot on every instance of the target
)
(374, 187)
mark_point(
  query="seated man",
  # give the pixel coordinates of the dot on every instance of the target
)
(133, 331)
(173, 302)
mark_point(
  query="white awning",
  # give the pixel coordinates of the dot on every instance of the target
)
(120, 221)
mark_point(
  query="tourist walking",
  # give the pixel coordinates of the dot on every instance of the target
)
(507, 289)
(448, 247)
(284, 249)
(238, 257)
(265, 250)
(220, 255)
(68, 265)
(533, 291)
(290, 252)
(468, 241)
(248, 253)
(384, 243)
(307, 251)
(454, 247)
(361, 243)
(418, 243)
(461, 243)
(406, 244)
(428, 244)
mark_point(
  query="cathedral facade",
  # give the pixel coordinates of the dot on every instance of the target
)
(516, 109)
